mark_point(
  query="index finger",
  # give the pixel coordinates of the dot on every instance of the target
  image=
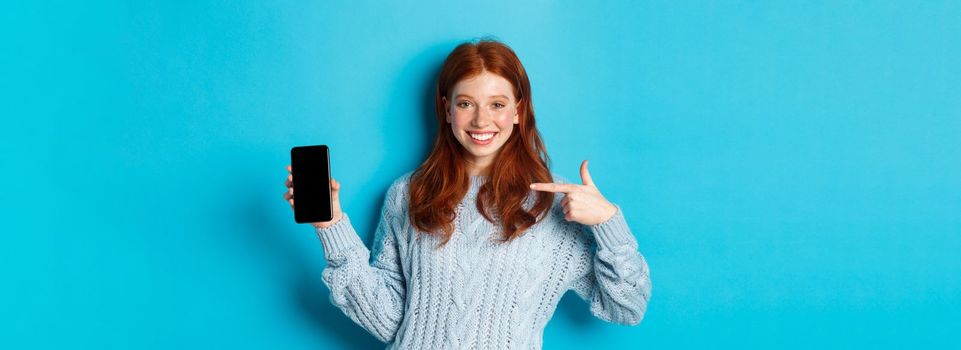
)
(554, 187)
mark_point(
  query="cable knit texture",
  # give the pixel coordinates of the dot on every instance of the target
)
(475, 292)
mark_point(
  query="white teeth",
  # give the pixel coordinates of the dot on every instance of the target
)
(481, 137)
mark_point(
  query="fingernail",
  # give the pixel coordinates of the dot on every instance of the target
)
(532, 186)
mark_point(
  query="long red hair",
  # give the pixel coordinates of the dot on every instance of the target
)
(441, 182)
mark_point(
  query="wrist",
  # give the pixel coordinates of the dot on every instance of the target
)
(339, 239)
(330, 223)
(611, 211)
(613, 233)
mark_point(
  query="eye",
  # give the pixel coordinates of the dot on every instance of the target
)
(463, 104)
(498, 105)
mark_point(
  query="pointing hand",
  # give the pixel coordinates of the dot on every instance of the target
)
(582, 203)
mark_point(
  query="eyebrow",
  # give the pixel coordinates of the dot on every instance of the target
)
(471, 97)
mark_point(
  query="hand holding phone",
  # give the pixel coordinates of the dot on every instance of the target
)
(319, 198)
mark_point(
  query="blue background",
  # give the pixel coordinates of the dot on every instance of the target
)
(791, 170)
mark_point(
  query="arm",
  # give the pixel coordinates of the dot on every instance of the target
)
(372, 295)
(616, 280)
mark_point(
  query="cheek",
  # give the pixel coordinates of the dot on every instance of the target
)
(462, 118)
(459, 125)
(505, 122)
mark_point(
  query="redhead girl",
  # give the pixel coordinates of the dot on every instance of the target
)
(476, 247)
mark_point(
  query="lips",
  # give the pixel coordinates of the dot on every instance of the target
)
(482, 138)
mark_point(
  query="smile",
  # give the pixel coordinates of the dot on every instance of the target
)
(482, 138)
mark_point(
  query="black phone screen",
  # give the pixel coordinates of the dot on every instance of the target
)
(310, 166)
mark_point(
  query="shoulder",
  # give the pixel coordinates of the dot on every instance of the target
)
(399, 185)
(398, 191)
(402, 181)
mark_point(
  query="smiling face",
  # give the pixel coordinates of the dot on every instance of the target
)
(482, 111)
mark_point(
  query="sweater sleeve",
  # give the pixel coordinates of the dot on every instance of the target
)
(371, 294)
(616, 280)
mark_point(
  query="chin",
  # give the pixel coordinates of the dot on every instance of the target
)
(474, 152)
(483, 154)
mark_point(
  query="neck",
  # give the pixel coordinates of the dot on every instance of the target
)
(479, 173)
(479, 167)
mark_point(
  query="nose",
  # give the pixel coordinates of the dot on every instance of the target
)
(482, 118)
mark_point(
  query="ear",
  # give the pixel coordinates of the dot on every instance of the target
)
(446, 109)
(517, 113)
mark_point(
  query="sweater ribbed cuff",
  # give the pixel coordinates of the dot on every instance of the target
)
(614, 232)
(339, 238)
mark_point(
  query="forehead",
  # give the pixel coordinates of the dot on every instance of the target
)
(484, 85)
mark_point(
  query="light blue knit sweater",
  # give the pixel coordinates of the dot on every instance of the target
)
(475, 293)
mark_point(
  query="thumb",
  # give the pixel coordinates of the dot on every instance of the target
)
(335, 191)
(585, 175)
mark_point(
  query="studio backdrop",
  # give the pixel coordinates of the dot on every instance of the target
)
(791, 170)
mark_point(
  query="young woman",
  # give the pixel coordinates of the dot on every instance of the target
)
(476, 247)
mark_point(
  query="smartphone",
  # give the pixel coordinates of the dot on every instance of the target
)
(310, 166)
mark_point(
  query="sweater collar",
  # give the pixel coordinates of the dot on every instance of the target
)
(476, 181)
